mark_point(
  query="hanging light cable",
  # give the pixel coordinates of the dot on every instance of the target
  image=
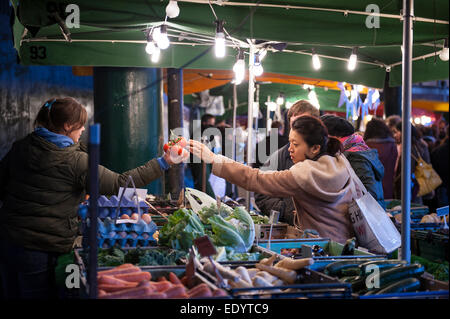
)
(239, 68)
(352, 60)
(257, 66)
(315, 60)
(172, 9)
(444, 53)
(161, 38)
(219, 46)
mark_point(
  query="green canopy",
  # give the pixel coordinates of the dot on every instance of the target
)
(111, 33)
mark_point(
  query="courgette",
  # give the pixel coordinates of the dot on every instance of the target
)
(335, 268)
(388, 277)
(354, 271)
(398, 273)
(381, 264)
(404, 285)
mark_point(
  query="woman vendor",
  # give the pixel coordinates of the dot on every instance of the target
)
(318, 182)
(43, 179)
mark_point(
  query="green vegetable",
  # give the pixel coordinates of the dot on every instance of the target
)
(389, 276)
(225, 234)
(211, 211)
(438, 270)
(110, 257)
(182, 228)
(259, 219)
(405, 285)
(381, 264)
(335, 268)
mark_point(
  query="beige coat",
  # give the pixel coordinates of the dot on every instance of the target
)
(320, 191)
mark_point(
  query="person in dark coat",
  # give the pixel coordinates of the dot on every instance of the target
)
(439, 160)
(279, 161)
(364, 161)
(378, 136)
(43, 179)
(418, 148)
(207, 121)
(281, 141)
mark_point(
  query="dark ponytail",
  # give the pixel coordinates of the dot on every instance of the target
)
(334, 146)
(59, 111)
(314, 132)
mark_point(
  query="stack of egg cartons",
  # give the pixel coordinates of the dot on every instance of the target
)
(122, 234)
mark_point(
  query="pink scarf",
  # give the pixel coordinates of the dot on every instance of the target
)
(354, 143)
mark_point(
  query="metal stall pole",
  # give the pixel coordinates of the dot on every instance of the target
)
(251, 89)
(163, 126)
(233, 142)
(268, 120)
(175, 121)
(94, 158)
(408, 12)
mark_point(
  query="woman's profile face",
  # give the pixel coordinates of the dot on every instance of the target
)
(397, 135)
(299, 150)
(76, 134)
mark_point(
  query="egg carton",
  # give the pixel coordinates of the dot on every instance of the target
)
(108, 207)
(124, 234)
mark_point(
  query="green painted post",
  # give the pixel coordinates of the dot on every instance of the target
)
(127, 106)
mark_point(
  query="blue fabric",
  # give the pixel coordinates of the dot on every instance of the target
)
(163, 163)
(57, 139)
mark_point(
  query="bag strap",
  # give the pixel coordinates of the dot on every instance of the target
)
(354, 179)
(418, 155)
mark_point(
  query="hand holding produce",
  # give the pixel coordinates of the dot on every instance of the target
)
(174, 150)
(201, 151)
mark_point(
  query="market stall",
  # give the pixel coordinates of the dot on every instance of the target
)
(337, 36)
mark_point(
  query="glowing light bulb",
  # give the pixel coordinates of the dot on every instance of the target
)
(417, 120)
(156, 54)
(172, 9)
(316, 61)
(257, 66)
(352, 61)
(219, 47)
(163, 40)
(239, 69)
(150, 47)
(280, 99)
(258, 70)
(312, 97)
(444, 54)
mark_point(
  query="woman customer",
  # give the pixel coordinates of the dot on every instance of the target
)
(43, 179)
(364, 160)
(378, 136)
(418, 148)
(318, 182)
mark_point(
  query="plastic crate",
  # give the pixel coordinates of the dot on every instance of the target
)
(158, 272)
(417, 210)
(309, 284)
(430, 289)
(429, 245)
(331, 248)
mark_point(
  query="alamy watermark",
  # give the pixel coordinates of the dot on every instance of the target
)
(373, 20)
(69, 12)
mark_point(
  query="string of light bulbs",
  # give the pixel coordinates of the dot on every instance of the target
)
(157, 40)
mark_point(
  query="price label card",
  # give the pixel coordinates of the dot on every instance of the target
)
(190, 266)
(442, 211)
(204, 246)
(274, 216)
